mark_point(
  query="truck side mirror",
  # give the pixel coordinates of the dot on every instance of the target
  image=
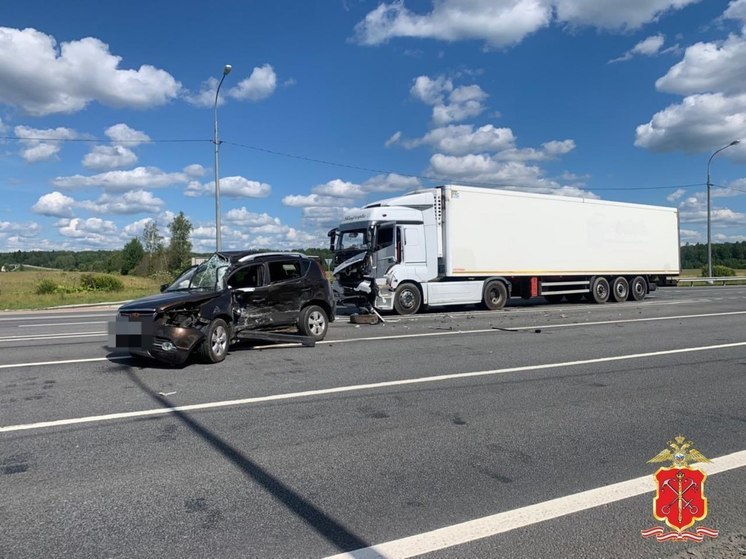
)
(332, 234)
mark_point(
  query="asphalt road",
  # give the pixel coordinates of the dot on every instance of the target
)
(492, 428)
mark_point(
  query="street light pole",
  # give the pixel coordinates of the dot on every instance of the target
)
(218, 247)
(709, 227)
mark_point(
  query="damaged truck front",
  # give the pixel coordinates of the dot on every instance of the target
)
(376, 246)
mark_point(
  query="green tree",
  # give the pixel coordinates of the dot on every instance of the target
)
(180, 247)
(132, 253)
(154, 260)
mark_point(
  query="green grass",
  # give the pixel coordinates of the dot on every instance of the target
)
(18, 290)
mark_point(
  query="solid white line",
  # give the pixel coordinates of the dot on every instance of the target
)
(376, 338)
(535, 327)
(52, 324)
(487, 526)
(60, 336)
(65, 362)
(43, 316)
(357, 388)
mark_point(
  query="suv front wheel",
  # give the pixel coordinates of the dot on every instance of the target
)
(313, 322)
(214, 347)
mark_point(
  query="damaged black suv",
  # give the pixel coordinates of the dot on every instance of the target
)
(231, 295)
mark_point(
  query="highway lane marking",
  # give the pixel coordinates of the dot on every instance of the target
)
(52, 324)
(535, 327)
(355, 388)
(21, 318)
(65, 362)
(500, 523)
(65, 335)
(61, 336)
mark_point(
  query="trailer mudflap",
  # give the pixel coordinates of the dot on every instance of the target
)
(307, 341)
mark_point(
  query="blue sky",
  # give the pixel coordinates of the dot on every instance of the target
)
(106, 111)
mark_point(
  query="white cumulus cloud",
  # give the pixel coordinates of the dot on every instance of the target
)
(41, 145)
(109, 157)
(450, 104)
(647, 47)
(121, 181)
(259, 85)
(54, 204)
(233, 187)
(41, 78)
(502, 23)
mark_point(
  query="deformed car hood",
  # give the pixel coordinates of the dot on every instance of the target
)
(162, 301)
(359, 257)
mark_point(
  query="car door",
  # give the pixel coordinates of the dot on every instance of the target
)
(285, 290)
(250, 297)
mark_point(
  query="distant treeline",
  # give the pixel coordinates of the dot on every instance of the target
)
(104, 261)
(732, 255)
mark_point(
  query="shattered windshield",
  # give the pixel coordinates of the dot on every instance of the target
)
(358, 238)
(208, 275)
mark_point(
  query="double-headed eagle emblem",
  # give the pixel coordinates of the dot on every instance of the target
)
(680, 453)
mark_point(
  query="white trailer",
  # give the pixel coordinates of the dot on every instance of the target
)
(454, 245)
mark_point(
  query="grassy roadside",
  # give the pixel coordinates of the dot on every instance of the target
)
(18, 290)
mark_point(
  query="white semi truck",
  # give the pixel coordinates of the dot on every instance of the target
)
(455, 245)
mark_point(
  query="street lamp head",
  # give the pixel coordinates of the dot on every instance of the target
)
(734, 142)
(228, 68)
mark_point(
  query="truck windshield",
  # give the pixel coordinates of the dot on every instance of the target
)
(358, 238)
(208, 275)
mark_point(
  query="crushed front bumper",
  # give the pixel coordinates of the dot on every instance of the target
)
(143, 335)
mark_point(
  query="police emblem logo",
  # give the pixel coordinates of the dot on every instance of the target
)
(680, 500)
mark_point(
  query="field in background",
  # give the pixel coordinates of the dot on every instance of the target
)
(18, 290)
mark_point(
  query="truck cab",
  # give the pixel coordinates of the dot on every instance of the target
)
(378, 245)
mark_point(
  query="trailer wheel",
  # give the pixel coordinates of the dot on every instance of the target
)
(214, 348)
(600, 290)
(313, 322)
(407, 299)
(620, 289)
(494, 296)
(638, 289)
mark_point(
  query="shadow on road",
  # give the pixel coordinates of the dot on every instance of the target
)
(329, 528)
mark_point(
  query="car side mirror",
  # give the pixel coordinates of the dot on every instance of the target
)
(164, 286)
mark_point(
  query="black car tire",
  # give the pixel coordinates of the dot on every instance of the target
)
(214, 348)
(495, 295)
(313, 322)
(407, 299)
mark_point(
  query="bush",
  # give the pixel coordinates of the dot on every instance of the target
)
(46, 286)
(93, 282)
(719, 271)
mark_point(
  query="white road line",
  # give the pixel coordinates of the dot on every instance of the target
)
(60, 336)
(397, 336)
(357, 388)
(44, 316)
(536, 327)
(487, 526)
(52, 324)
(65, 362)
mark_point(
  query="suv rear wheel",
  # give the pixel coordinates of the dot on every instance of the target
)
(313, 322)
